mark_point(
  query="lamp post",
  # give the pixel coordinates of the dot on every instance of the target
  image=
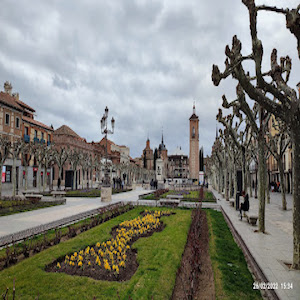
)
(106, 189)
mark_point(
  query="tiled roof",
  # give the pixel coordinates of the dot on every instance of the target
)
(25, 105)
(10, 101)
(34, 122)
(66, 130)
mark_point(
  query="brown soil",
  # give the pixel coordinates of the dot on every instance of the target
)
(100, 273)
(204, 287)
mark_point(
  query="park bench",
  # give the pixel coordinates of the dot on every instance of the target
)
(251, 219)
(58, 194)
(171, 200)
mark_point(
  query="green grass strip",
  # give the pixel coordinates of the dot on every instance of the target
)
(233, 280)
(159, 257)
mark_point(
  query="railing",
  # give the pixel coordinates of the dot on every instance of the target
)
(42, 141)
(26, 138)
(36, 140)
(48, 143)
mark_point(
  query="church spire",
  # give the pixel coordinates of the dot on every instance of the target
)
(194, 109)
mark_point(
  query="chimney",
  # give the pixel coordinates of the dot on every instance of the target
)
(7, 87)
(16, 96)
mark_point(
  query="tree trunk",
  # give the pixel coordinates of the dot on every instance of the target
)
(14, 171)
(235, 182)
(296, 196)
(26, 177)
(226, 185)
(39, 177)
(1, 166)
(249, 181)
(220, 180)
(44, 179)
(244, 177)
(262, 184)
(282, 184)
(230, 179)
(74, 179)
(267, 188)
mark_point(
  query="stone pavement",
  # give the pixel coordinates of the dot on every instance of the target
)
(272, 249)
(21, 221)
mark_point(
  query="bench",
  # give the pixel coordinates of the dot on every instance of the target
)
(58, 194)
(251, 219)
(35, 197)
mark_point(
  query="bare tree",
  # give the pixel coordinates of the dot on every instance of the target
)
(27, 155)
(39, 155)
(74, 158)
(15, 151)
(271, 91)
(48, 158)
(60, 157)
(5, 145)
(277, 145)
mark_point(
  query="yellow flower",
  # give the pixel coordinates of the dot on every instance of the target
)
(89, 263)
(75, 254)
(98, 245)
(80, 264)
(58, 265)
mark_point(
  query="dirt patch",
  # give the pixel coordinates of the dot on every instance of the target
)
(100, 273)
(195, 279)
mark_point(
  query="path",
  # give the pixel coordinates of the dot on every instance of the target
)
(272, 249)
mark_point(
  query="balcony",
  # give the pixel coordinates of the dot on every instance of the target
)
(26, 138)
(48, 143)
(42, 141)
(36, 140)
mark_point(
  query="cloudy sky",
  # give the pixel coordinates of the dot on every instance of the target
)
(148, 61)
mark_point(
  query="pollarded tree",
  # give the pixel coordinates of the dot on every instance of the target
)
(27, 155)
(270, 89)
(60, 157)
(75, 158)
(5, 145)
(39, 155)
(15, 151)
(47, 160)
(277, 145)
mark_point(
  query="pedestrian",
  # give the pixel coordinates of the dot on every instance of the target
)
(244, 206)
(114, 180)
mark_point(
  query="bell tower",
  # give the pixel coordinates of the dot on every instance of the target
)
(194, 146)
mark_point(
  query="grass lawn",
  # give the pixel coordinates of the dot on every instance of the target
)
(10, 209)
(91, 192)
(232, 277)
(159, 257)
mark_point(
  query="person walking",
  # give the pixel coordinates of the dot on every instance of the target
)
(244, 206)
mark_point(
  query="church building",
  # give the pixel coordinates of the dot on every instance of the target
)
(194, 146)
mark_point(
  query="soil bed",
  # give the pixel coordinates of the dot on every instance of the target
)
(196, 266)
(100, 273)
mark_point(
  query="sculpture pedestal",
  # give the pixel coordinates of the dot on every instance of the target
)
(106, 193)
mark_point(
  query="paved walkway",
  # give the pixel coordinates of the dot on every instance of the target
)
(272, 249)
(21, 221)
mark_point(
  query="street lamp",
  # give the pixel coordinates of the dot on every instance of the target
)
(106, 131)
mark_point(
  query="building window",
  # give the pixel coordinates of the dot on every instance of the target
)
(7, 119)
(193, 132)
(17, 122)
(49, 138)
(35, 133)
(42, 135)
(26, 130)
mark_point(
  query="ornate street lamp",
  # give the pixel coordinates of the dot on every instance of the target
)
(106, 191)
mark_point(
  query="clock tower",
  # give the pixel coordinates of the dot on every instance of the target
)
(194, 146)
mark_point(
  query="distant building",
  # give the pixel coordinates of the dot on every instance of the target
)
(148, 156)
(17, 122)
(178, 166)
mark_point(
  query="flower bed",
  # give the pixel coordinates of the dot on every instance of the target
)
(113, 260)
